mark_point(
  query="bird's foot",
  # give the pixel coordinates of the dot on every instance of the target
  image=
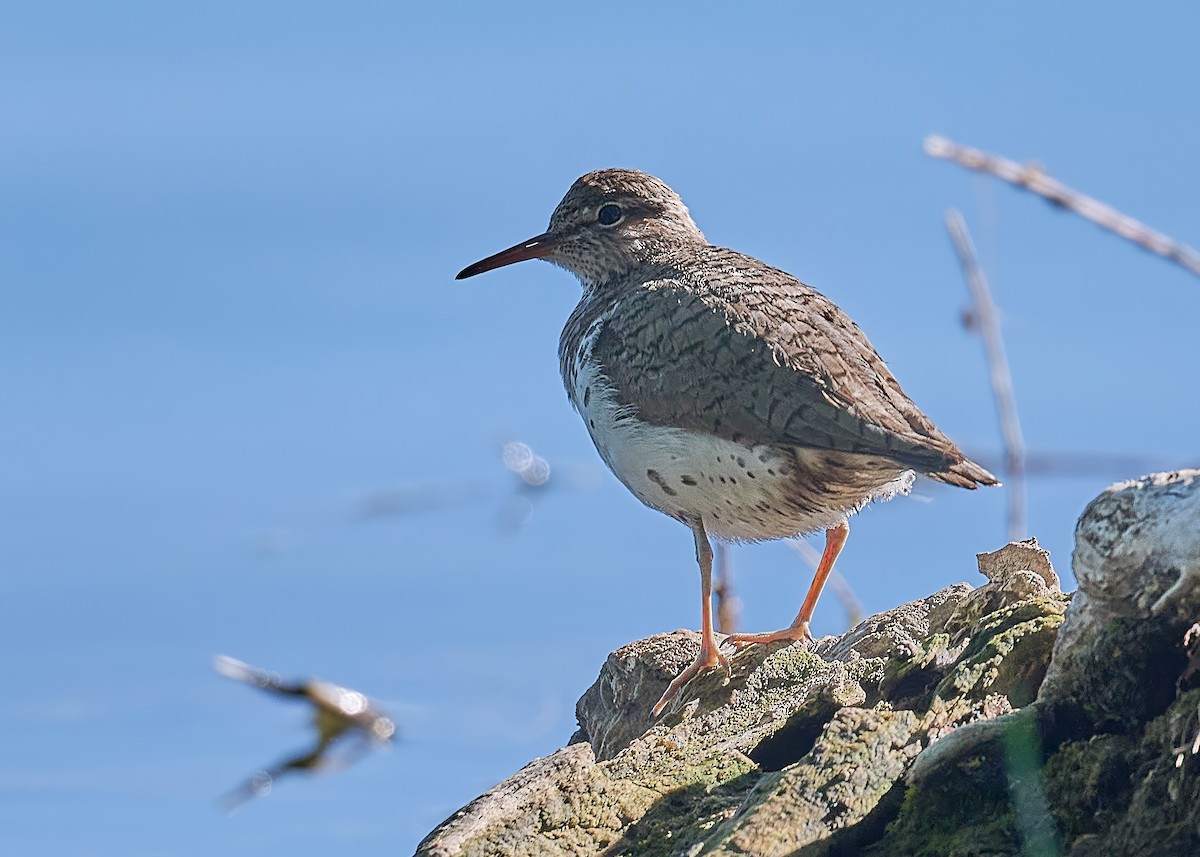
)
(798, 633)
(708, 657)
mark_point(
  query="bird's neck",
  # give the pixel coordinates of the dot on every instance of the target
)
(647, 264)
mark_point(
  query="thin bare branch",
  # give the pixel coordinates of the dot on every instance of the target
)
(729, 606)
(1073, 464)
(1033, 178)
(987, 323)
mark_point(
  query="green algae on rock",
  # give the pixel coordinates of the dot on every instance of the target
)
(989, 721)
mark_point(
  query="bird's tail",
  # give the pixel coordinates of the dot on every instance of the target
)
(965, 473)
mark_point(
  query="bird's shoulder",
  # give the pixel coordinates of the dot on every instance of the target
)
(718, 299)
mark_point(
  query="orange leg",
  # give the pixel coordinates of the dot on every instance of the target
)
(835, 539)
(709, 655)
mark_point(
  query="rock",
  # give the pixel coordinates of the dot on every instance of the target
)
(1102, 762)
(1137, 546)
(1137, 561)
(797, 748)
(990, 721)
(852, 768)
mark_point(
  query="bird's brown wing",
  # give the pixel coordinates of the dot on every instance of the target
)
(753, 355)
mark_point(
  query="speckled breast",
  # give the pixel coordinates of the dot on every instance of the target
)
(740, 492)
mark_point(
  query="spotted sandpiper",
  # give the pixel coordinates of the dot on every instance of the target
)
(724, 392)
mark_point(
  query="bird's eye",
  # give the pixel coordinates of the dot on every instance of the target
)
(608, 214)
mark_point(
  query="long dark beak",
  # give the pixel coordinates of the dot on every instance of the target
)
(537, 247)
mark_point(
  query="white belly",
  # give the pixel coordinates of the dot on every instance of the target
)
(740, 492)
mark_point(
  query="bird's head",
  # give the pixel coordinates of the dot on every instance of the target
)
(609, 222)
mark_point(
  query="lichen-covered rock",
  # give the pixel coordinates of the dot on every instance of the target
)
(851, 769)
(1137, 545)
(1106, 761)
(943, 727)
(1019, 571)
(979, 791)
(1140, 794)
(1137, 560)
(796, 750)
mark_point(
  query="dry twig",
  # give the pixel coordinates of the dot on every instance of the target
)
(729, 606)
(986, 321)
(1033, 178)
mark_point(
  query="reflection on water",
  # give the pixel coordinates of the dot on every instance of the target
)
(346, 723)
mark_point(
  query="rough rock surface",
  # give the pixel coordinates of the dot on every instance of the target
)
(926, 730)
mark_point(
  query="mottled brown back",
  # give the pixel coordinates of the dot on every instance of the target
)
(715, 341)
